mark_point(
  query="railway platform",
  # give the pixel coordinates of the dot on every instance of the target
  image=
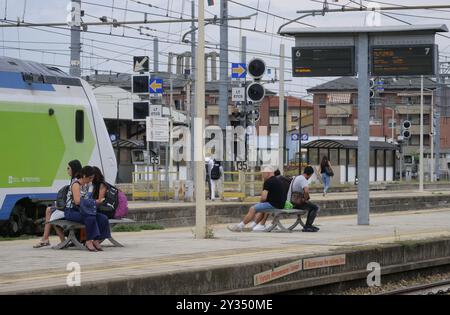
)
(172, 261)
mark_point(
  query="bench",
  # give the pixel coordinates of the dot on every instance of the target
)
(71, 227)
(280, 214)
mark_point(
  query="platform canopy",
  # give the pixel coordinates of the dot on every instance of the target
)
(320, 31)
(347, 144)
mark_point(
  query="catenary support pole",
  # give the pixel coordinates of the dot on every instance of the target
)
(200, 207)
(281, 107)
(75, 43)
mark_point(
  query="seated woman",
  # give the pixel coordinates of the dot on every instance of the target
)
(100, 187)
(51, 213)
(97, 226)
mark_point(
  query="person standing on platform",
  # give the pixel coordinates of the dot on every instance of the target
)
(216, 179)
(326, 172)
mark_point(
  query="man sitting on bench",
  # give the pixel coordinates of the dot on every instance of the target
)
(301, 185)
(273, 197)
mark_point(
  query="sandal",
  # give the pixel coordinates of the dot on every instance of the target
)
(42, 244)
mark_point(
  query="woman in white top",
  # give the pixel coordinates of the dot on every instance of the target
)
(51, 213)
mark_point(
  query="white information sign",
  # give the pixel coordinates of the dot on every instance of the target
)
(157, 129)
(238, 94)
(155, 110)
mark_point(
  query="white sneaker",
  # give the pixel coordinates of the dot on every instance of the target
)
(235, 228)
(259, 228)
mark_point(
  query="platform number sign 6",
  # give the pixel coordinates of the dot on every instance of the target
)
(154, 160)
(242, 166)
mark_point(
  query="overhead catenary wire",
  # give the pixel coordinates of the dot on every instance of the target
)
(272, 14)
(92, 46)
(383, 13)
(138, 38)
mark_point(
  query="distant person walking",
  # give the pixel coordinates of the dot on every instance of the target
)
(326, 172)
(209, 163)
(216, 179)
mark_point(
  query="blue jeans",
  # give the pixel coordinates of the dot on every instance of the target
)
(326, 182)
(264, 207)
(97, 226)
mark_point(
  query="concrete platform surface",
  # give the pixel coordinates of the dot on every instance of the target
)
(171, 250)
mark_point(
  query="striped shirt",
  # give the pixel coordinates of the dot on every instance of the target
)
(84, 192)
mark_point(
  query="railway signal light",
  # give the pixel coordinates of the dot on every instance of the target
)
(406, 124)
(255, 91)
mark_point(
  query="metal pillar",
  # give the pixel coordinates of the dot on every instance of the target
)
(363, 130)
(155, 55)
(200, 207)
(437, 130)
(223, 86)
(432, 138)
(281, 110)
(421, 137)
(75, 43)
(190, 174)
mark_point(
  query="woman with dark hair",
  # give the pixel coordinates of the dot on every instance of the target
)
(51, 213)
(326, 172)
(97, 225)
(100, 187)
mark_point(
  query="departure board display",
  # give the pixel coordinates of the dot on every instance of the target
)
(323, 61)
(403, 60)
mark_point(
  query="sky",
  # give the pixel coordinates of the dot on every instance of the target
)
(103, 52)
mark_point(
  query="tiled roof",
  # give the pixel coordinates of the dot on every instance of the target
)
(351, 84)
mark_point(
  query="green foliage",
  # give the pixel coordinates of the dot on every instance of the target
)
(136, 227)
(22, 237)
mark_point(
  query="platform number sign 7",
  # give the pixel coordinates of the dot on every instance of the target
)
(427, 51)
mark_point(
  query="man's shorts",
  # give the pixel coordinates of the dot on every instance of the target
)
(264, 207)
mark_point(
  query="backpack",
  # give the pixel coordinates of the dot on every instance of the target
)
(122, 206)
(215, 171)
(61, 197)
(115, 204)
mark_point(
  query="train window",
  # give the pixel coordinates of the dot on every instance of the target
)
(79, 126)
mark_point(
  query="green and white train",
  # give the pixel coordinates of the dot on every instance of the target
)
(47, 118)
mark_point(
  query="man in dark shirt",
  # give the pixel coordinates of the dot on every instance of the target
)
(273, 197)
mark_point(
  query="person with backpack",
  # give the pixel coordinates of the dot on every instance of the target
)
(81, 208)
(209, 163)
(273, 197)
(216, 179)
(53, 213)
(298, 195)
(110, 200)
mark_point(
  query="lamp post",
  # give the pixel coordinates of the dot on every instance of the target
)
(431, 135)
(392, 122)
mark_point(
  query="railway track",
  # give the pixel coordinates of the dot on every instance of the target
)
(435, 288)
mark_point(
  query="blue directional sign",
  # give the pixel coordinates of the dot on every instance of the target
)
(156, 86)
(294, 137)
(238, 70)
(304, 137)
